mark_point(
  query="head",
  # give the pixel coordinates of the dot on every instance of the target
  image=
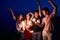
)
(27, 16)
(36, 14)
(45, 11)
(19, 17)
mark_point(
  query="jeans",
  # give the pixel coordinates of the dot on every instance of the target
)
(46, 35)
(36, 35)
(22, 36)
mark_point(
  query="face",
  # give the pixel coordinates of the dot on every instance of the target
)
(20, 17)
(27, 16)
(36, 14)
(44, 12)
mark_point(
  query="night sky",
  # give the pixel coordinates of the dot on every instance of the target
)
(20, 6)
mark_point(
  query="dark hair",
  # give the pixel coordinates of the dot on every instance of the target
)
(36, 11)
(17, 19)
(46, 9)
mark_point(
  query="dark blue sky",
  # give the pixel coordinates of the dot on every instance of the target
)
(21, 6)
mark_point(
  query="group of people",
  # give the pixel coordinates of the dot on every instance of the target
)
(32, 25)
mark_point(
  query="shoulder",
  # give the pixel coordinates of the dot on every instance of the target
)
(44, 18)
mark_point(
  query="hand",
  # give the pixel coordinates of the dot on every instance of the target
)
(31, 13)
(10, 8)
(31, 31)
(49, 0)
(37, 2)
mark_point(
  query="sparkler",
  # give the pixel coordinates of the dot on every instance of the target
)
(38, 21)
(33, 19)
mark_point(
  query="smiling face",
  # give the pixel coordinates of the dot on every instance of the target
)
(27, 16)
(36, 14)
(20, 17)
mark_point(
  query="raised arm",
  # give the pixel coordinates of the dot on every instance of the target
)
(40, 13)
(12, 14)
(32, 15)
(54, 8)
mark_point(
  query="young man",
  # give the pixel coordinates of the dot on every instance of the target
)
(48, 25)
(36, 35)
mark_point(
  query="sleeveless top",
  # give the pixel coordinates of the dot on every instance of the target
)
(20, 27)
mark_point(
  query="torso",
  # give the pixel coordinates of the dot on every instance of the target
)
(48, 24)
(37, 28)
(21, 26)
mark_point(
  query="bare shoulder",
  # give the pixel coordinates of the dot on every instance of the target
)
(43, 18)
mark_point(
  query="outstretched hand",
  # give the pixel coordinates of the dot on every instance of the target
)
(37, 1)
(10, 9)
(31, 31)
(49, 0)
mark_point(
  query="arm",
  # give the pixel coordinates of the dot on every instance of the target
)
(54, 8)
(42, 24)
(32, 16)
(27, 29)
(40, 13)
(12, 14)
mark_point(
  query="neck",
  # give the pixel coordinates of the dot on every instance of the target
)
(27, 19)
(46, 15)
(36, 17)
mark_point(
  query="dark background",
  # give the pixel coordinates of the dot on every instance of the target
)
(7, 24)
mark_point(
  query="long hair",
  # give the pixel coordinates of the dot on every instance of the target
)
(26, 15)
(17, 20)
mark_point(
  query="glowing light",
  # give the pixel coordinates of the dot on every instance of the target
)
(32, 31)
(38, 21)
(33, 19)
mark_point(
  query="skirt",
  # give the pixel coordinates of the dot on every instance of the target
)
(27, 35)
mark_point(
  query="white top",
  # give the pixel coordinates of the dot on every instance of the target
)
(21, 27)
(29, 23)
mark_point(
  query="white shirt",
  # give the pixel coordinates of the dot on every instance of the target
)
(21, 26)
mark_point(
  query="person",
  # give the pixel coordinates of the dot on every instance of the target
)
(20, 24)
(36, 35)
(47, 22)
(28, 30)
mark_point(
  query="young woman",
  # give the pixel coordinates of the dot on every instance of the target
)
(20, 24)
(28, 31)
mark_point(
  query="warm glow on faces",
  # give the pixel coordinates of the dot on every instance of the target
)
(36, 14)
(20, 17)
(27, 16)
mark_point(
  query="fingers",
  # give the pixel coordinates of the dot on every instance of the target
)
(49, 0)
(10, 8)
(37, 0)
